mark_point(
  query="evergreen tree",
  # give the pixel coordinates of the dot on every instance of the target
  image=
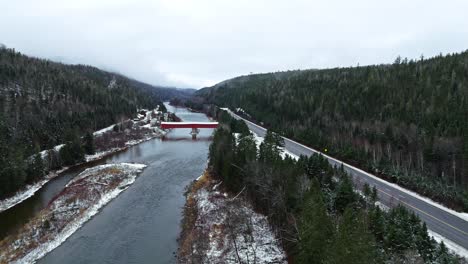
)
(374, 195)
(315, 228)
(35, 169)
(425, 243)
(270, 148)
(89, 143)
(443, 256)
(399, 231)
(72, 152)
(345, 195)
(371, 117)
(377, 223)
(353, 242)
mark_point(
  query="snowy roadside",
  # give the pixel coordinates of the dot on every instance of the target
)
(218, 228)
(259, 140)
(77, 203)
(461, 215)
(455, 248)
(452, 246)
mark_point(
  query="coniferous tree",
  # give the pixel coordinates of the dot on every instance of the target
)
(371, 117)
(345, 195)
(35, 169)
(315, 228)
(353, 242)
(89, 144)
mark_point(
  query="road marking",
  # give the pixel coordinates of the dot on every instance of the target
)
(415, 208)
(356, 170)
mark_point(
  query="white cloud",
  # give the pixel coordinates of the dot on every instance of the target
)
(197, 43)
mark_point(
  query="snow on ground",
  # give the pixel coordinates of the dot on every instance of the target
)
(199, 177)
(100, 154)
(452, 246)
(228, 230)
(258, 139)
(81, 199)
(28, 191)
(284, 151)
(382, 206)
(59, 147)
(104, 130)
(461, 215)
(31, 189)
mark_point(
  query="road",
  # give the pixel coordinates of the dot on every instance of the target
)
(438, 220)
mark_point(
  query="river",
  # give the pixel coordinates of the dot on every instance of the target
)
(141, 225)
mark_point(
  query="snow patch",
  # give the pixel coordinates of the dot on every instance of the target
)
(234, 230)
(28, 191)
(452, 246)
(104, 130)
(284, 151)
(60, 206)
(382, 206)
(100, 154)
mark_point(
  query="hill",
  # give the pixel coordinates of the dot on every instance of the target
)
(406, 121)
(44, 102)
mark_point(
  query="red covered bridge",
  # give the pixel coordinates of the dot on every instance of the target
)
(195, 126)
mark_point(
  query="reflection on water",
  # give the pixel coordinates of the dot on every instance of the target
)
(185, 139)
(141, 225)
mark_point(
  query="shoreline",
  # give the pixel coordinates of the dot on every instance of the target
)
(29, 190)
(218, 227)
(78, 202)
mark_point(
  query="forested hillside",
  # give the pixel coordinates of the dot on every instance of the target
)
(407, 122)
(316, 213)
(42, 103)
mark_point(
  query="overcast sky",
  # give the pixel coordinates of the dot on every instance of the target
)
(199, 43)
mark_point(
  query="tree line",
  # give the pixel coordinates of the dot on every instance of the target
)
(44, 104)
(313, 206)
(406, 122)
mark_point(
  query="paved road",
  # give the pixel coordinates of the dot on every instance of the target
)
(438, 220)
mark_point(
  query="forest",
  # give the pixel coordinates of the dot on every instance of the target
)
(44, 104)
(313, 207)
(406, 122)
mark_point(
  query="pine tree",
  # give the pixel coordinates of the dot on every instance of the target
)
(424, 243)
(35, 169)
(443, 256)
(353, 243)
(315, 228)
(374, 195)
(377, 223)
(89, 144)
(345, 195)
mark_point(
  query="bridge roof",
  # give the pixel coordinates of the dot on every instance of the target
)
(189, 125)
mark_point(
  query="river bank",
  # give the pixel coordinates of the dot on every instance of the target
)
(78, 202)
(107, 142)
(142, 224)
(218, 227)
